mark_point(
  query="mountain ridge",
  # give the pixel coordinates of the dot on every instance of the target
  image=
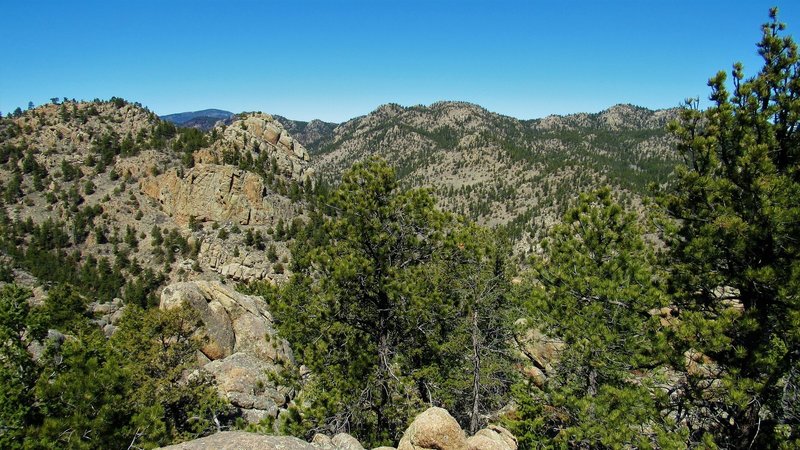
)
(500, 170)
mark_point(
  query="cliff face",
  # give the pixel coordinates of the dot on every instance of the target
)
(216, 193)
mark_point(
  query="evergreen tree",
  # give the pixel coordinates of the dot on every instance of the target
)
(593, 288)
(365, 293)
(475, 281)
(18, 325)
(735, 253)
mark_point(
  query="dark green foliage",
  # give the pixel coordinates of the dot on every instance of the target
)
(381, 282)
(68, 171)
(280, 232)
(365, 298)
(157, 238)
(194, 224)
(13, 188)
(142, 290)
(130, 237)
(42, 250)
(737, 204)
(189, 140)
(18, 372)
(593, 289)
(272, 253)
(90, 392)
(474, 282)
(106, 148)
(65, 309)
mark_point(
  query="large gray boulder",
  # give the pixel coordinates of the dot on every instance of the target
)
(233, 322)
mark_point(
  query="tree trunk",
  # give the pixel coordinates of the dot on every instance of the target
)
(592, 388)
(383, 376)
(474, 422)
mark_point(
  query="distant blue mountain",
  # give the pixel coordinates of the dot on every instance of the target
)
(205, 119)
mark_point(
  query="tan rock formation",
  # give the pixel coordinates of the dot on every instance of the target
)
(540, 350)
(493, 437)
(234, 322)
(266, 139)
(241, 347)
(436, 429)
(212, 192)
(242, 440)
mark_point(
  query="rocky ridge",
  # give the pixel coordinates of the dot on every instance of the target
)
(261, 137)
(121, 161)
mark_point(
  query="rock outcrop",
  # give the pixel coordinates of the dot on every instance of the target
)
(434, 429)
(249, 265)
(241, 347)
(211, 192)
(242, 440)
(538, 349)
(493, 437)
(106, 315)
(265, 139)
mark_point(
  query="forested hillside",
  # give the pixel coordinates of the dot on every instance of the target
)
(497, 170)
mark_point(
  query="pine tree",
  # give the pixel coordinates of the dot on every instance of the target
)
(364, 292)
(736, 255)
(475, 282)
(593, 288)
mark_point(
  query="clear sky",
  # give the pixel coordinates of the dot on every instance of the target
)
(335, 60)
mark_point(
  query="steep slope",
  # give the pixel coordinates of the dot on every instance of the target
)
(503, 171)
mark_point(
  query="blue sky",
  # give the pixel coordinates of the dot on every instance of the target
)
(335, 60)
